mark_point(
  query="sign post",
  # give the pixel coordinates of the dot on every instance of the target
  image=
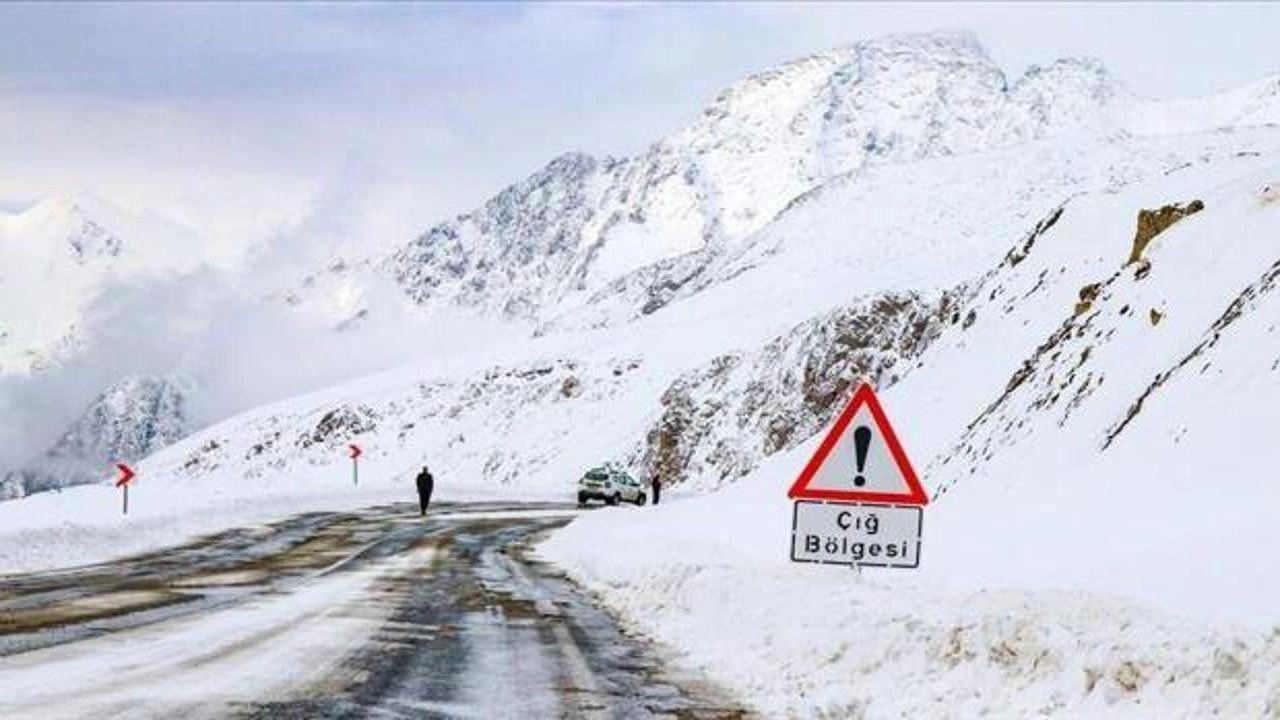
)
(858, 501)
(126, 475)
(356, 452)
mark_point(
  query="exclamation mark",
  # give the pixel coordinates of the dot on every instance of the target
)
(861, 442)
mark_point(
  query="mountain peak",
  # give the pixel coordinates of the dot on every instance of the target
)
(954, 44)
(936, 48)
(75, 205)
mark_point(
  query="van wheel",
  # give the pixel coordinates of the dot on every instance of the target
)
(582, 499)
(612, 500)
(641, 500)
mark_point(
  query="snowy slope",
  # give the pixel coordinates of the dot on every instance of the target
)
(722, 418)
(1101, 488)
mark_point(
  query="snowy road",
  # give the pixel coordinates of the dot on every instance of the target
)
(374, 613)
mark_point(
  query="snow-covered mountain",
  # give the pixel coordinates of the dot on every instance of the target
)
(876, 248)
(59, 255)
(130, 420)
(581, 222)
(606, 240)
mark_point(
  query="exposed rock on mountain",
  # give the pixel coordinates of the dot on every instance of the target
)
(1154, 222)
(720, 420)
(130, 420)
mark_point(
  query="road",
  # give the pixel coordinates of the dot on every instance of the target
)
(377, 613)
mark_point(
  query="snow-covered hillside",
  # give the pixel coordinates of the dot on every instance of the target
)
(1094, 438)
(721, 419)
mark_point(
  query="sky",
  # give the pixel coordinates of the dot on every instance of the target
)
(238, 119)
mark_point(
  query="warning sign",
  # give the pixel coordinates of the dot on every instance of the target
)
(860, 460)
(856, 534)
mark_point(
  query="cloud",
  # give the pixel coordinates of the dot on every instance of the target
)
(227, 334)
(226, 115)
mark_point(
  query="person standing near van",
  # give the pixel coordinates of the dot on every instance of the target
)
(656, 486)
(426, 484)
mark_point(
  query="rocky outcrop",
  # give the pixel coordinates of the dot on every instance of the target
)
(720, 420)
(339, 426)
(130, 420)
(1153, 222)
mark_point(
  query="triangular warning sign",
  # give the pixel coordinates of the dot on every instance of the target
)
(860, 460)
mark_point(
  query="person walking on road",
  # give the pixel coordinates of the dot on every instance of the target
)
(426, 484)
(656, 485)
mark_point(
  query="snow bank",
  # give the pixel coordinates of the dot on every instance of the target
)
(710, 578)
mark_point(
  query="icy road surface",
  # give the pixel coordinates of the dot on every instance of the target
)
(375, 613)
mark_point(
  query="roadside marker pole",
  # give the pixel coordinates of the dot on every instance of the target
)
(126, 475)
(356, 452)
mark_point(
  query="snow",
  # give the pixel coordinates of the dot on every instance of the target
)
(267, 647)
(1096, 544)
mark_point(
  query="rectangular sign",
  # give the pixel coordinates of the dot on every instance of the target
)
(838, 533)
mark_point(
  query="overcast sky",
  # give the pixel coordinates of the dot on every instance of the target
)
(233, 118)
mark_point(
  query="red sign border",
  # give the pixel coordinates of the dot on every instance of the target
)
(865, 395)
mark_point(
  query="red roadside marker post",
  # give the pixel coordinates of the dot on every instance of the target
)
(126, 476)
(356, 452)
